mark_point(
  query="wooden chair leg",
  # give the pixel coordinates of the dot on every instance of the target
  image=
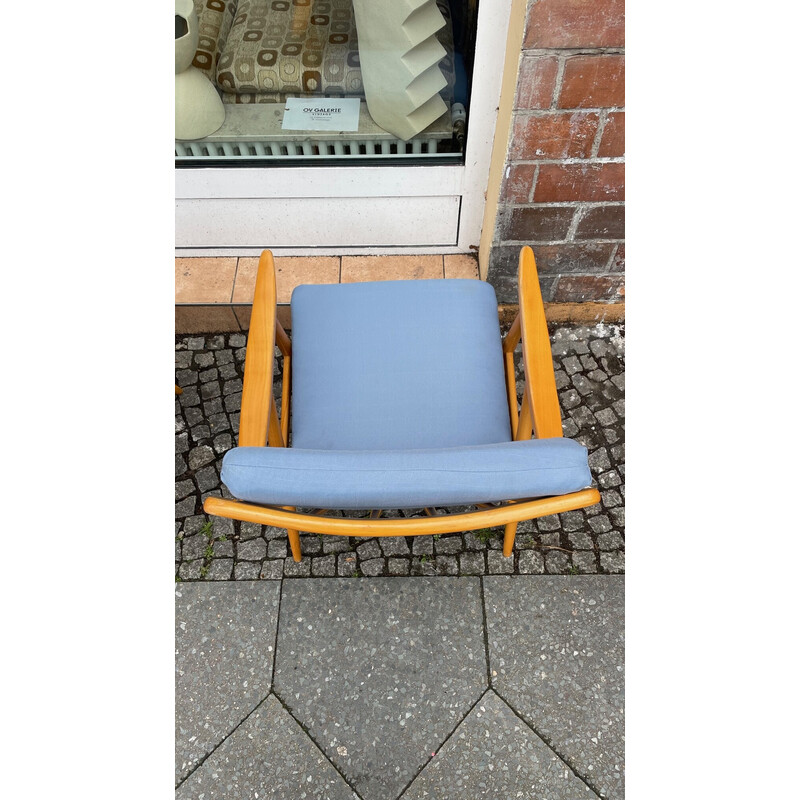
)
(294, 543)
(508, 538)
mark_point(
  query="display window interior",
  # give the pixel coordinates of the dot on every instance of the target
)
(322, 81)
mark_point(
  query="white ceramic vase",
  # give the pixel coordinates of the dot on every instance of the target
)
(198, 108)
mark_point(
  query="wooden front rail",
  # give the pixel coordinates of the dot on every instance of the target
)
(447, 523)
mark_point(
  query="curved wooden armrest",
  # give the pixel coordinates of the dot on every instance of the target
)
(541, 396)
(258, 419)
(414, 526)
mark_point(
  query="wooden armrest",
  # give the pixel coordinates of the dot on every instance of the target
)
(257, 399)
(540, 380)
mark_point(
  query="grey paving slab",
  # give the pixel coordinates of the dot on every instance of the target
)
(267, 756)
(380, 671)
(556, 655)
(494, 754)
(224, 647)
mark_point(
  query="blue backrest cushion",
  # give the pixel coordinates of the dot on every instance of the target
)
(389, 479)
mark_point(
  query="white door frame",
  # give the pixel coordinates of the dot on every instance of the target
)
(209, 200)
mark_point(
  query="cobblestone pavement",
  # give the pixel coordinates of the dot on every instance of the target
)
(590, 375)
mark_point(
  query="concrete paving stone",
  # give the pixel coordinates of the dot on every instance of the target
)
(220, 569)
(610, 541)
(556, 562)
(224, 640)
(585, 561)
(185, 507)
(246, 570)
(271, 570)
(227, 371)
(422, 545)
(249, 530)
(380, 671)
(531, 562)
(267, 756)
(185, 378)
(580, 540)
(346, 565)
(277, 548)
(448, 544)
(445, 565)
(597, 376)
(219, 422)
(588, 363)
(190, 570)
(613, 562)
(200, 456)
(252, 550)
(336, 544)
(556, 655)
(398, 566)
(233, 402)
(194, 546)
(550, 539)
(394, 546)
(200, 432)
(599, 460)
(222, 443)
(310, 544)
(293, 569)
(189, 398)
(569, 399)
(549, 523)
(573, 520)
(571, 365)
(232, 387)
(183, 488)
(323, 566)
(494, 754)
(498, 564)
(207, 479)
(570, 428)
(369, 549)
(609, 479)
(600, 524)
(471, 564)
(210, 390)
(372, 567)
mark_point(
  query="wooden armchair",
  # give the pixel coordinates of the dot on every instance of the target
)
(402, 395)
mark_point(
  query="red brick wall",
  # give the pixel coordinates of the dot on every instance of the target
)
(563, 188)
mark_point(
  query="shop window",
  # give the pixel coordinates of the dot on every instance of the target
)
(277, 82)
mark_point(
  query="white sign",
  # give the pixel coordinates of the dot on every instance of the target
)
(321, 114)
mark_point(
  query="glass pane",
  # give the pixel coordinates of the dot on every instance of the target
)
(322, 81)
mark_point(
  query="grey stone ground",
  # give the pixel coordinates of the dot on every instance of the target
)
(389, 688)
(590, 375)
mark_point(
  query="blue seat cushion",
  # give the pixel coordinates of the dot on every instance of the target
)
(397, 365)
(406, 478)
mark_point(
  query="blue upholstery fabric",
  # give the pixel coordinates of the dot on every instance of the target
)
(406, 479)
(397, 365)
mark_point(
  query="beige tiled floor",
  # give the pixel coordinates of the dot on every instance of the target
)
(215, 293)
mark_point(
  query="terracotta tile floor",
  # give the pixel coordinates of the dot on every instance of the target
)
(214, 294)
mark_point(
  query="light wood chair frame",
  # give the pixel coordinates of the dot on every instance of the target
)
(538, 416)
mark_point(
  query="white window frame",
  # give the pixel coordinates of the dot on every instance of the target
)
(209, 200)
